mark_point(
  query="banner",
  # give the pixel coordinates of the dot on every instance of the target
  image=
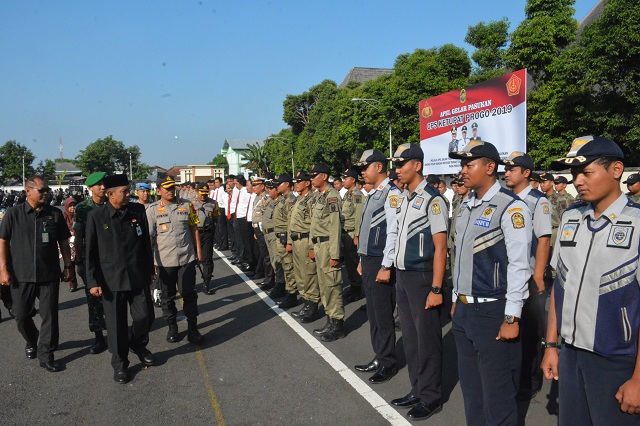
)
(493, 111)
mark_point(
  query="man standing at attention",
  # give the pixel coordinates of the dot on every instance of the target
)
(30, 235)
(120, 269)
(490, 281)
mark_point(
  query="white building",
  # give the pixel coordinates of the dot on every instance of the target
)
(234, 150)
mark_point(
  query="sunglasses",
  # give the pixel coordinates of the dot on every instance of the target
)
(41, 190)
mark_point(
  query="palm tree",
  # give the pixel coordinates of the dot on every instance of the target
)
(256, 159)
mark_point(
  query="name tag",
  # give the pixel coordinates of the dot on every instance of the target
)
(138, 231)
(568, 234)
(485, 218)
(417, 203)
(45, 237)
(620, 236)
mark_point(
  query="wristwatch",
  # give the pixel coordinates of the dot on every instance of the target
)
(385, 268)
(510, 319)
(436, 290)
(546, 345)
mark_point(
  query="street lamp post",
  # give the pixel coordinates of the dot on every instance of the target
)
(130, 167)
(368, 102)
(293, 168)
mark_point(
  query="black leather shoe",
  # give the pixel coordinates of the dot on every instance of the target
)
(210, 290)
(368, 368)
(120, 375)
(289, 302)
(383, 374)
(51, 366)
(31, 352)
(406, 401)
(147, 358)
(301, 312)
(266, 286)
(245, 267)
(422, 411)
(98, 347)
(172, 333)
(193, 335)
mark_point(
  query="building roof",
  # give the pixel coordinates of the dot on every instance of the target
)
(361, 75)
(68, 167)
(591, 16)
(240, 144)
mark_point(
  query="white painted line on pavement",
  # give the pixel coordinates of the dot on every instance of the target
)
(371, 396)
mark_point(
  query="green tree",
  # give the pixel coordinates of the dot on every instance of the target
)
(548, 28)
(47, 169)
(256, 159)
(11, 162)
(110, 156)
(490, 41)
(221, 162)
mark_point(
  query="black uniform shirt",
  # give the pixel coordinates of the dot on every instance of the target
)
(33, 242)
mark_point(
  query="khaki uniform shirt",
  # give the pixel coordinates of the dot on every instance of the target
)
(259, 204)
(352, 207)
(634, 198)
(170, 229)
(300, 221)
(559, 203)
(282, 212)
(326, 221)
(207, 210)
(267, 215)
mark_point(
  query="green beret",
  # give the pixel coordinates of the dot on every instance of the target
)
(94, 178)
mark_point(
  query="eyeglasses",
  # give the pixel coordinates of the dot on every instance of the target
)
(41, 190)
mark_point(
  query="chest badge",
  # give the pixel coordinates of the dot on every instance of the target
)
(620, 236)
(485, 218)
(568, 234)
(417, 203)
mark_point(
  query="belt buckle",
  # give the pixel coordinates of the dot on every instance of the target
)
(463, 299)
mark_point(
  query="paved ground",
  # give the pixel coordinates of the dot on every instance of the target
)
(258, 367)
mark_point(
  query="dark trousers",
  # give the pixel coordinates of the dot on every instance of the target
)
(182, 278)
(587, 387)
(239, 226)
(488, 368)
(263, 257)
(231, 238)
(381, 302)
(94, 305)
(120, 336)
(221, 235)
(421, 334)
(351, 260)
(532, 330)
(206, 246)
(5, 296)
(24, 298)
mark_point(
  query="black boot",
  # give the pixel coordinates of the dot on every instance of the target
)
(267, 285)
(289, 302)
(325, 329)
(302, 311)
(193, 335)
(208, 288)
(172, 332)
(335, 332)
(99, 345)
(311, 315)
(278, 291)
(355, 293)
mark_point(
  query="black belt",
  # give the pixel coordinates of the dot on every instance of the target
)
(269, 230)
(348, 230)
(316, 240)
(295, 236)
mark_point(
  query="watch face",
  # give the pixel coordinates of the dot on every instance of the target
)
(508, 319)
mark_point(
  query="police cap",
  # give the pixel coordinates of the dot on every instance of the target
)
(202, 188)
(518, 158)
(371, 156)
(166, 181)
(142, 186)
(285, 177)
(546, 176)
(350, 173)
(477, 149)
(408, 151)
(585, 149)
(632, 179)
(319, 168)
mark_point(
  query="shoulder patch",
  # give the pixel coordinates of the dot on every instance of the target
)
(545, 208)
(332, 200)
(393, 201)
(517, 220)
(357, 199)
(435, 208)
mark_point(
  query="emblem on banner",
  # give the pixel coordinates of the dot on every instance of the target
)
(463, 96)
(513, 85)
(427, 111)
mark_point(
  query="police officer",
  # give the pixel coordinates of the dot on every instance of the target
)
(535, 180)
(490, 283)
(352, 207)
(304, 268)
(173, 228)
(563, 198)
(474, 132)
(376, 248)
(633, 185)
(281, 216)
(30, 235)
(120, 269)
(461, 195)
(277, 284)
(595, 298)
(220, 196)
(263, 267)
(324, 247)
(244, 257)
(453, 144)
(94, 303)
(420, 260)
(464, 140)
(207, 211)
(143, 191)
(518, 167)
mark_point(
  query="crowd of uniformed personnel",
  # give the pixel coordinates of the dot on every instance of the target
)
(500, 254)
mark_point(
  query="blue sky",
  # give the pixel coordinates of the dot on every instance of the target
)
(178, 77)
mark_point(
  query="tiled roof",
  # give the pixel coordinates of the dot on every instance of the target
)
(364, 74)
(240, 144)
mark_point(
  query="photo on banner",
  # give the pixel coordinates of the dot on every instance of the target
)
(494, 111)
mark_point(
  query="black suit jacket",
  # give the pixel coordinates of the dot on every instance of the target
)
(118, 248)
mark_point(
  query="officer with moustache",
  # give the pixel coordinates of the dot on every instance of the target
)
(120, 270)
(260, 202)
(281, 216)
(352, 206)
(276, 284)
(207, 211)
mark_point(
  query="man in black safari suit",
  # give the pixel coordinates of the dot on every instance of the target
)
(120, 268)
